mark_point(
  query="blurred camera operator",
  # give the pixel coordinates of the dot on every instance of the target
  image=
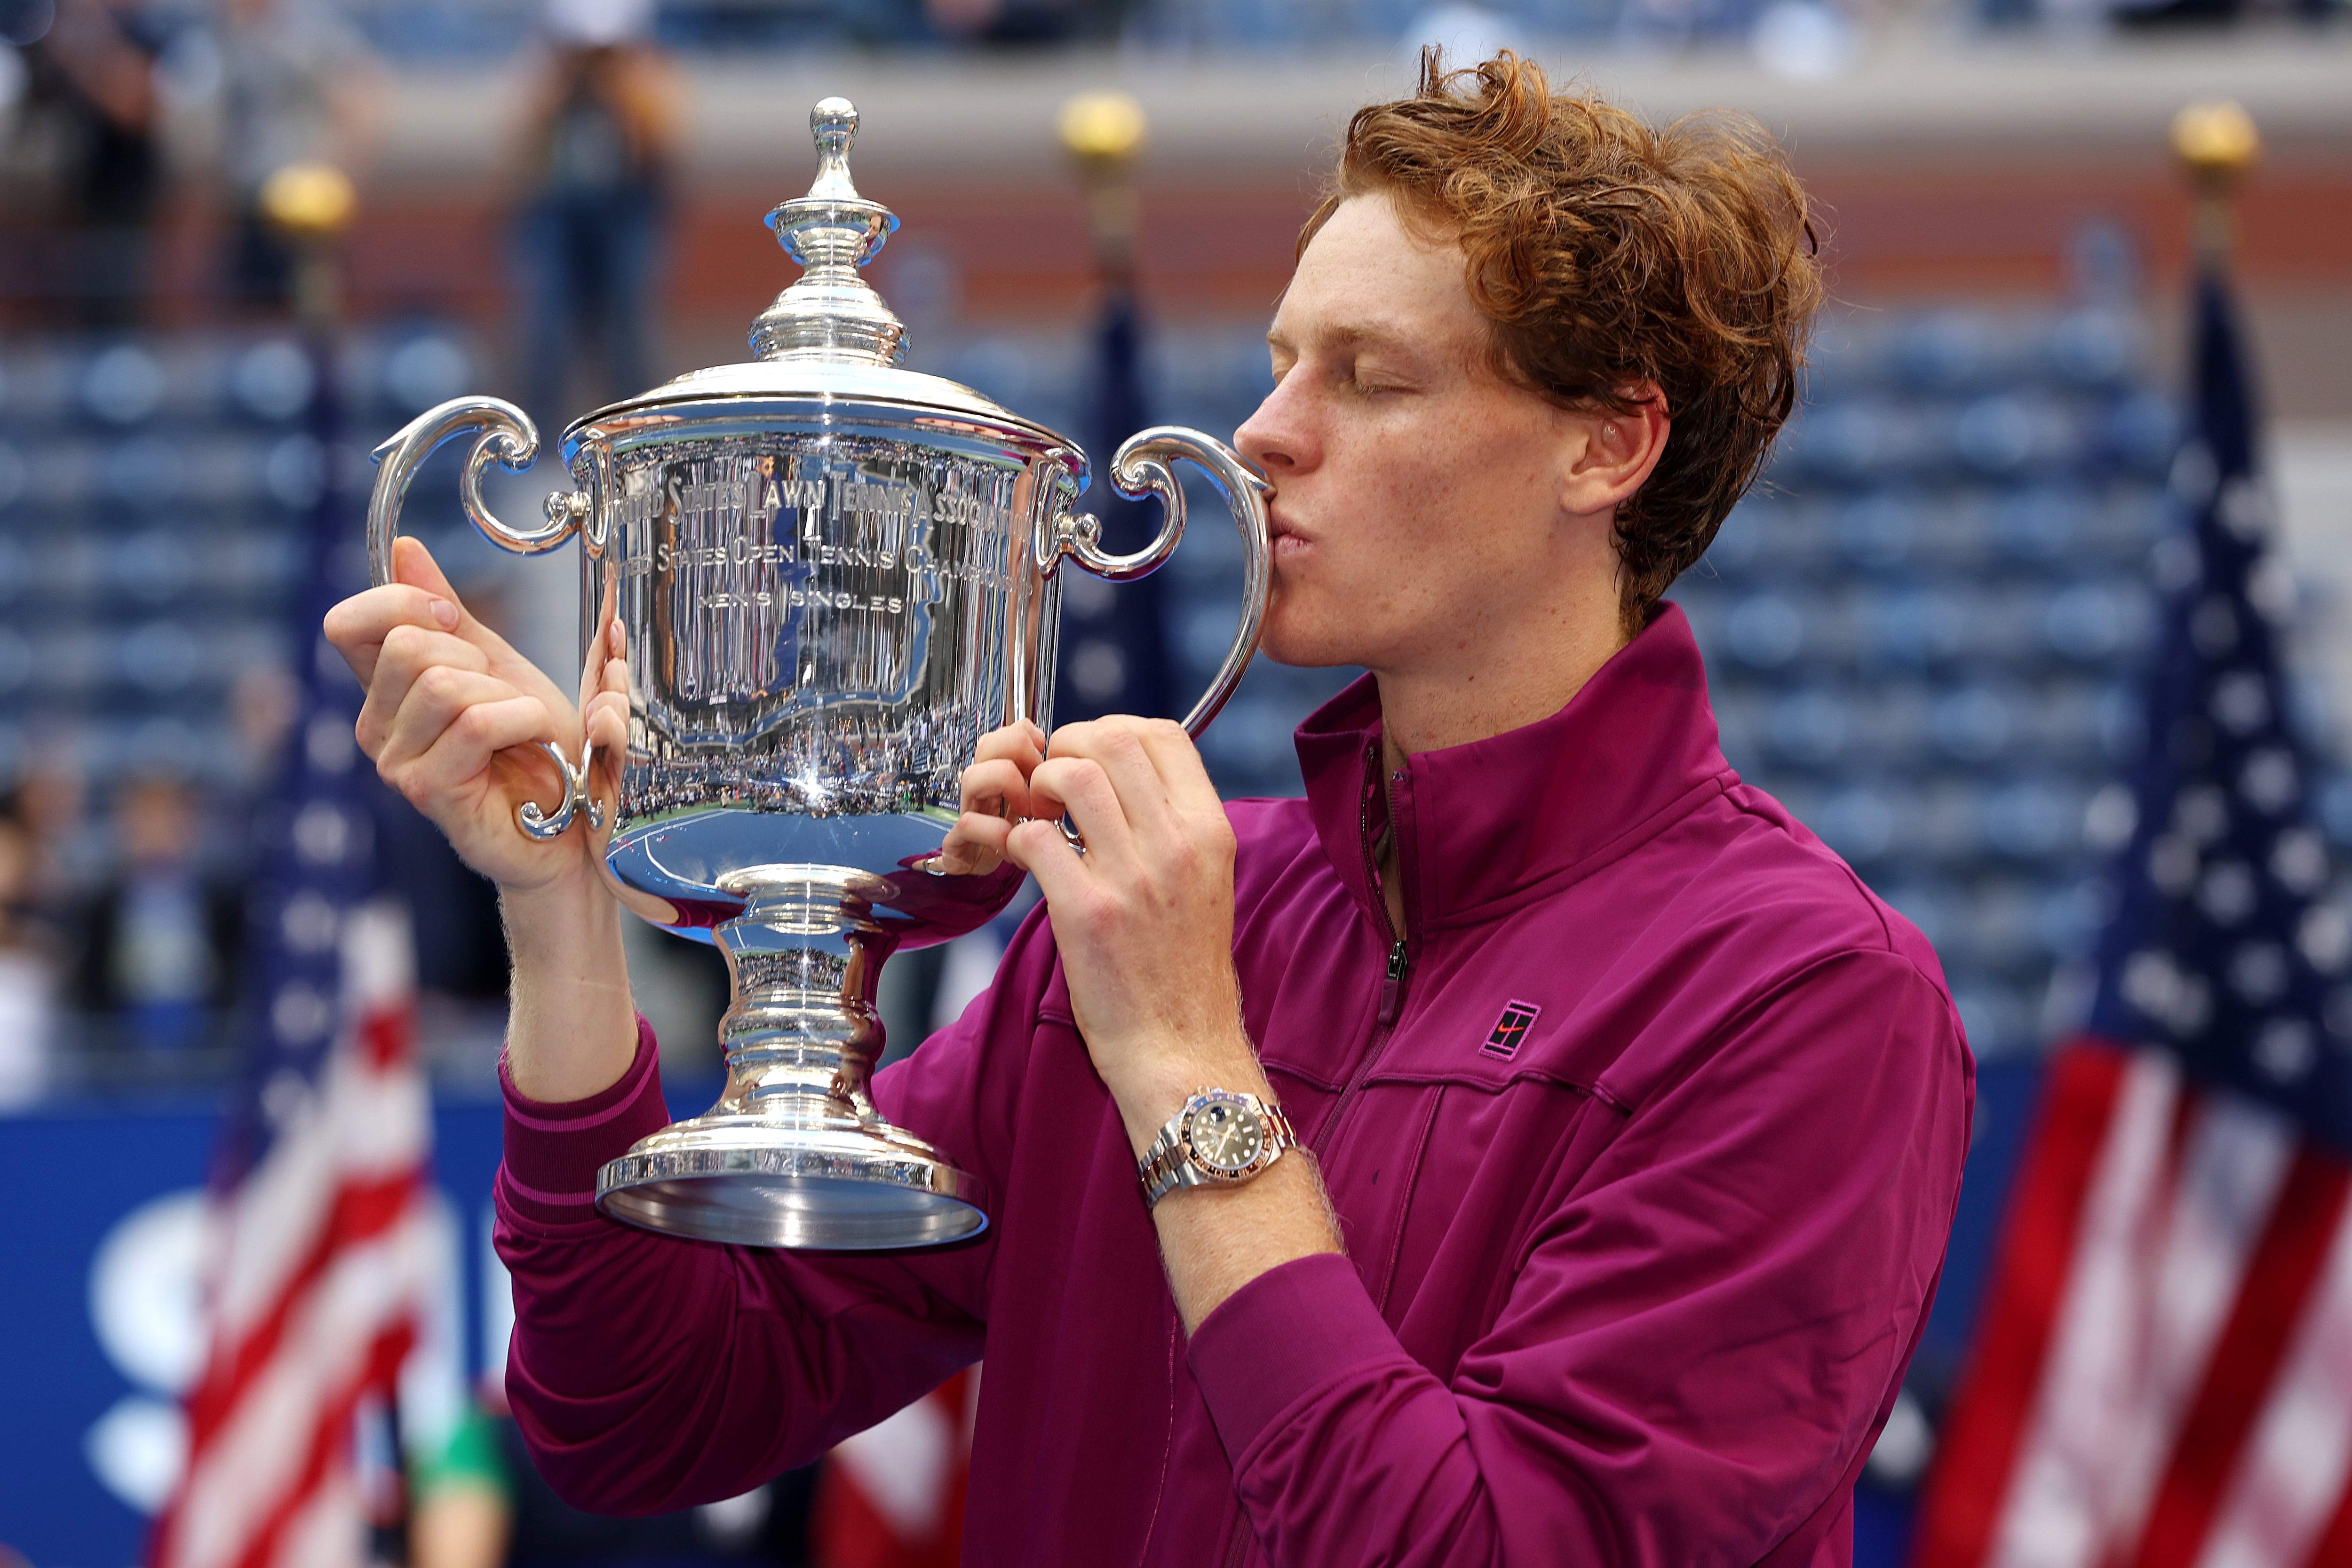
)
(299, 85)
(597, 154)
(91, 111)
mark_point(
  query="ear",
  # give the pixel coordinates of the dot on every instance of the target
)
(1610, 454)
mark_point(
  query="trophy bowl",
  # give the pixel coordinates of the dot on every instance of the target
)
(833, 576)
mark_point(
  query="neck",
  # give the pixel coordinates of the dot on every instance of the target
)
(1503, 685)
(1427, 709)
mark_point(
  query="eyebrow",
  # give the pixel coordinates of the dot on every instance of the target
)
(1350, 335)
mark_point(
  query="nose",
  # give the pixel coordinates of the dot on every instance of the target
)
(1277, 439)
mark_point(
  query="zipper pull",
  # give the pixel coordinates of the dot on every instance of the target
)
(1392, 985)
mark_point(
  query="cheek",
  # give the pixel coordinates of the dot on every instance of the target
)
(1466, 459)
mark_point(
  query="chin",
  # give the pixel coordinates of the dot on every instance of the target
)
(1310, 647)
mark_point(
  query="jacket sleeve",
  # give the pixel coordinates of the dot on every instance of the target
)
(648, 1373)
(1699, 1340)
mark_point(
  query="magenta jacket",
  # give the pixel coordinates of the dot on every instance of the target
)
(1645, 1147)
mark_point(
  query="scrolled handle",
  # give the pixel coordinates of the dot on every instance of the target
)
(1141, 467)
(578, 799)
(504, 435)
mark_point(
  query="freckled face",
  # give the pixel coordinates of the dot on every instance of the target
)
(1417, 507)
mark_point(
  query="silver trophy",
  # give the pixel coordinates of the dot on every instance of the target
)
(834, 576)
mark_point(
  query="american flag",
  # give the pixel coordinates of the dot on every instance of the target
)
(321, 1247)
(2162, 1376)
(892, 1496)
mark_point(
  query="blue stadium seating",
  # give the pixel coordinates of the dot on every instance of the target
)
(150, 490)
(1922, 629)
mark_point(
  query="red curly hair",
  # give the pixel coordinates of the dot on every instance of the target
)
(1607, 256)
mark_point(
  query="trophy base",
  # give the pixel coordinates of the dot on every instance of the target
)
(751, 1183)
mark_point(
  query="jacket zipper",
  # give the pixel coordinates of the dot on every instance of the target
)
(1393, 981)
(1237, 1538)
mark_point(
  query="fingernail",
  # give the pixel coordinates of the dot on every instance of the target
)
(445, 612)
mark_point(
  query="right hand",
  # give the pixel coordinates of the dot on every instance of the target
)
(450, 715)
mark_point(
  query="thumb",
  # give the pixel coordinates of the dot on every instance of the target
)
(413, 566)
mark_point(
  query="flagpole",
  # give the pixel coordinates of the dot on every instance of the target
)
(2193, 1128)
(2216, 143)
(312, 204)
(1104, 133)
(1115, 654)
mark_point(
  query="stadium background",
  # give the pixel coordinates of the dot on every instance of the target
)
(1922, 632)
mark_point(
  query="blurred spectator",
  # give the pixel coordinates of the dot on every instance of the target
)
(299, 86)
(480, 1503)
(88, 118)
(461, 1508)
(51, 800)
(596, 158)
(28, 969)
(160, 941)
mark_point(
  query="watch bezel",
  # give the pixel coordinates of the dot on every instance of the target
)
(1248, 1106)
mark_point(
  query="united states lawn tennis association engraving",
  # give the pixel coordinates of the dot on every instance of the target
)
(769, 531)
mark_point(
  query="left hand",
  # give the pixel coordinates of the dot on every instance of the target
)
(1144, 918)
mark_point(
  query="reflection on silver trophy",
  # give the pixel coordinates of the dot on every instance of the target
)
(834, 576)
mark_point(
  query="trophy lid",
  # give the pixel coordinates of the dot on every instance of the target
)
(830, 335)
(831, 313)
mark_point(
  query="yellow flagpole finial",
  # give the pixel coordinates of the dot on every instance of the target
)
(2216, 140)
(1102, 128)
(313, 200)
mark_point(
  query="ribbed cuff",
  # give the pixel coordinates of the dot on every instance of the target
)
(1293, 1330)
(553, 1151)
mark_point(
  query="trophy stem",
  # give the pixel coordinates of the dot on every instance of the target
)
(795, 1154)
(801, 1032)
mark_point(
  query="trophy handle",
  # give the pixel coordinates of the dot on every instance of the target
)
(1140, 469)
(503, 433)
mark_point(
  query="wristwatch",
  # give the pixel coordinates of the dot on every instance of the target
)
(1221, 1138)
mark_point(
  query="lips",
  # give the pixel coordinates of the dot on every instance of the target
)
(1278, 529)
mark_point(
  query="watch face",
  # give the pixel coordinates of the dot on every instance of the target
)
(1227, 1136)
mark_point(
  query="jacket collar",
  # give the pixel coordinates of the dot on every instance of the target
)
(1485, 826)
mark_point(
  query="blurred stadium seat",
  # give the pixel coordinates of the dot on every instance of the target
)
(1925, 628)
(149, 492)
(1922, 628)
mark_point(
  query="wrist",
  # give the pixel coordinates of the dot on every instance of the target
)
(1145, 1107)
(571, 1024)
(1150, 1096)
(568, 915)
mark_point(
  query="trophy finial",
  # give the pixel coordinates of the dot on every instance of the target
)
(832, 125)
(831, 313)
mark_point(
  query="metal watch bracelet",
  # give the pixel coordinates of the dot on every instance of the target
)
(1233, 1123)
